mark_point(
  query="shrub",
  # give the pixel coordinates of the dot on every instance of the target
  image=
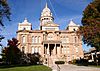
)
(59, 62)
(74, 61)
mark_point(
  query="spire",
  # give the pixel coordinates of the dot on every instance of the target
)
(25, 20)
(46, 6)
(71, 23)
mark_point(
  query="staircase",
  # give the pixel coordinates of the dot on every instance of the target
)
(51, 60)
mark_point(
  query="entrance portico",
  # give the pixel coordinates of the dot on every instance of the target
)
(52, 47)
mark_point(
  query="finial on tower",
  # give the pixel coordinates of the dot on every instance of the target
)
(46, 6)
(25, 20)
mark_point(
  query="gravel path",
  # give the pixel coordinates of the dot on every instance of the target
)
(75, 68)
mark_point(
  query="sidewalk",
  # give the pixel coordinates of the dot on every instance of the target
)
(74, 68)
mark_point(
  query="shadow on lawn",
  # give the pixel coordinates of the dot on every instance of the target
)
(11, 66)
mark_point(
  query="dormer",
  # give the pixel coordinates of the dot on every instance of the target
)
(25, 25)
(72, 26)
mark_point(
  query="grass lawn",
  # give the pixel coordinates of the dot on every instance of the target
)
(25, 68)
(95, 66)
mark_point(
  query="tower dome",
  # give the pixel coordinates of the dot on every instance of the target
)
(46, 16)
(46, 11)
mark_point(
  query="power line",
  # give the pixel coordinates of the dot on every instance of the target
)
(53, 9)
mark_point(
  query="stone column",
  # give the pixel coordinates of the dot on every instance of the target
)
(60, 49)
(48, 49)
(55, 49)
(43, 49)
(92, 56)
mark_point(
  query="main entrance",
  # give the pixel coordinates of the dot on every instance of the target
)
(52, 47)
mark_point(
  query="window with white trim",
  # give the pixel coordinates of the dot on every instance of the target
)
(39, 39)
(36, 50)
(64, 49)
(23, 39)
(33, 49)
(39, 50)
(33, 39)
(76, 49)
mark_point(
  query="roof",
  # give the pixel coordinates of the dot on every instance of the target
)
(71, 23)
(25, 22)
(46, 8)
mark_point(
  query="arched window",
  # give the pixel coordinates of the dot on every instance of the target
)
(33, 39)
(39, 38)
(68, 50)
(39, 50)
(67, 39)
(64, 49)
(50, 36)
(33, 49)
(23, 39)
(76, 50)
(36, 39)
(75, 39)
(36, 49)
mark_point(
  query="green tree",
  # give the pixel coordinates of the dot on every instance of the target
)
(4, 11)
(90, 28)
(12, 54)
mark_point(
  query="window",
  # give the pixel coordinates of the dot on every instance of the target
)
(64, 39)
(24, 28)
(36, 39)
(39, 38)
(64, 50)
(50, 37)
(74, 29)
(33, 49)
(39, 50)
(36, 50)
(75, 39)
(33, 39)
(44, 37)
(76, 49)
(68, 51)
(23, 39)
(67, 39)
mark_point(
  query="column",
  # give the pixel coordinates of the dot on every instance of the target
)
(55, 49)
(92, 56)
(60, 49)
(45, 50)
(48, 49)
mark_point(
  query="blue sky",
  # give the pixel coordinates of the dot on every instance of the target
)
(63, 11)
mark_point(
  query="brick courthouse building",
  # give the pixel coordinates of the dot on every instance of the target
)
(49, 41)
